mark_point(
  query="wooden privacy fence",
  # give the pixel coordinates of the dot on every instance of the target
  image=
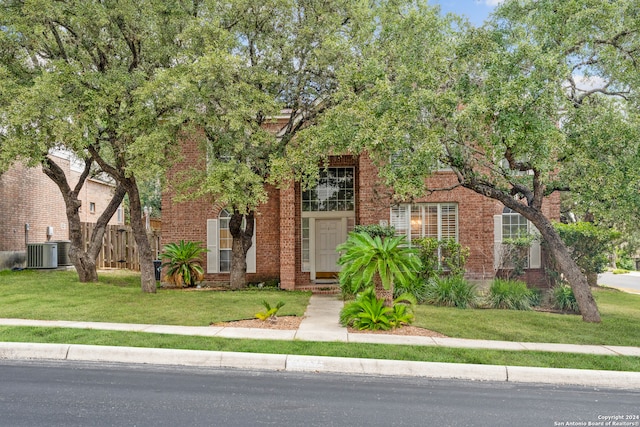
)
(119, 249)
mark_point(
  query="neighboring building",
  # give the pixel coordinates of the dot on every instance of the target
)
(28, 196)
(296, 232)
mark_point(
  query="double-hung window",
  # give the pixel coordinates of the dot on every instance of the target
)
(435, 220)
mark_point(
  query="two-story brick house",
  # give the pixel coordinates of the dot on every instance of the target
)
(296, 231)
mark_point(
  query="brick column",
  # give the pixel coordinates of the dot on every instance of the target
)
(288, 237)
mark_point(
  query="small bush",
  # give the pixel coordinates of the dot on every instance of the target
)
(417, 288)
(441, 257)
(619, 271)
(368, 312)
(511, 295)
(453, 291)
(374, 230)
(564, 299)
(270, 313)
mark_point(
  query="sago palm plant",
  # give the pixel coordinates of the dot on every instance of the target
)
(374, 261)
(184, 265)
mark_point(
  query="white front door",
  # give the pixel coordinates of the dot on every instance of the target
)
(329, 234)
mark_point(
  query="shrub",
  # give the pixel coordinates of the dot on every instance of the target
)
(511, 295)
(365, 259)
(514, 255)
(441, 256)
(184, 266)
(271, 312)
(451, 291)
(374, 230)
(370, 313)
(563, 298)
(366, 312)
(417, 288)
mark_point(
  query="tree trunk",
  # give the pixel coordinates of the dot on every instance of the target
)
(381, 292)
(84, 261)
(147, 273)
(242, 241)
(592, 279)
(568, 267)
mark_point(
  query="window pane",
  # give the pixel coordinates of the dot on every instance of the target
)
(225, 261)
(431, 221)
(449, 222)
(333, 192)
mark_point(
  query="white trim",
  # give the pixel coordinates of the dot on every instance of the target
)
(213, 265)
(312, 248)
(251, 253)
(497, 241)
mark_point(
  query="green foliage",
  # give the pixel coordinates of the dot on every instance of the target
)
(367, 312)
(441, 256)
(374, 230)
(451, 291)
(589, 244)
(270, 313)
(619, 271)
(417, 288)
(184, 265)
(564, 299)
(510, 295)
(364, 256)
(515, 253)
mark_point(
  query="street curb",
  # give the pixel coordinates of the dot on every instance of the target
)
(320, 364)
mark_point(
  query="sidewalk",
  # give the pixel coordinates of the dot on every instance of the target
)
(321, 324)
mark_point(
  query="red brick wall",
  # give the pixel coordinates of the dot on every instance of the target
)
(187, 220)
(28, 196)
(278, 223)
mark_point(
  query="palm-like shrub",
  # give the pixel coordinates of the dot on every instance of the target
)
(368, 261)
(451, 291)
(369, 312)
(510, 294)
(184, 265)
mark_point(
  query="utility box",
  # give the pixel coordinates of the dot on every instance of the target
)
(63, 252)
(42, 255)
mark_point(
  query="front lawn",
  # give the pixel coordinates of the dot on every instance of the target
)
(620, 322)
(57, 295)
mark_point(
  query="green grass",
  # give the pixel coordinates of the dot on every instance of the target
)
(117, 298)
(57, 295)
(334, 349)
(620, 323)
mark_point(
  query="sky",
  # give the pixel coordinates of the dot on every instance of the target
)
(476, 10)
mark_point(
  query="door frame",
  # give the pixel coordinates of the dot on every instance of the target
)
(313, 216)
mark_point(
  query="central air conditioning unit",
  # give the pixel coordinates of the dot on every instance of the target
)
(42, 255)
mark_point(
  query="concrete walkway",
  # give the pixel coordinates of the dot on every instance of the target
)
(321, 324)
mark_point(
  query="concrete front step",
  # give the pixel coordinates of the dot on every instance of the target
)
(321, 289)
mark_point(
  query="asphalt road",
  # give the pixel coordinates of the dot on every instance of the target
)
(69, 394)
(628, 282)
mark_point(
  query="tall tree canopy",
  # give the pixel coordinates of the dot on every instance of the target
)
(256, 72)
(73, 74)
(542, 99)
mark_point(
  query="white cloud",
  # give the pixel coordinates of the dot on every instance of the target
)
(493, 2)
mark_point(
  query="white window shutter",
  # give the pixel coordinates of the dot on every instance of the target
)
(497, 241)
(251, 254)
(213, 265)
(535, 257)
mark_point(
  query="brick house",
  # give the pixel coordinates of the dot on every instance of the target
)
(28, 196)
(296, 231)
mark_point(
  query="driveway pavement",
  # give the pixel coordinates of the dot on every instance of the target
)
(628, 282)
